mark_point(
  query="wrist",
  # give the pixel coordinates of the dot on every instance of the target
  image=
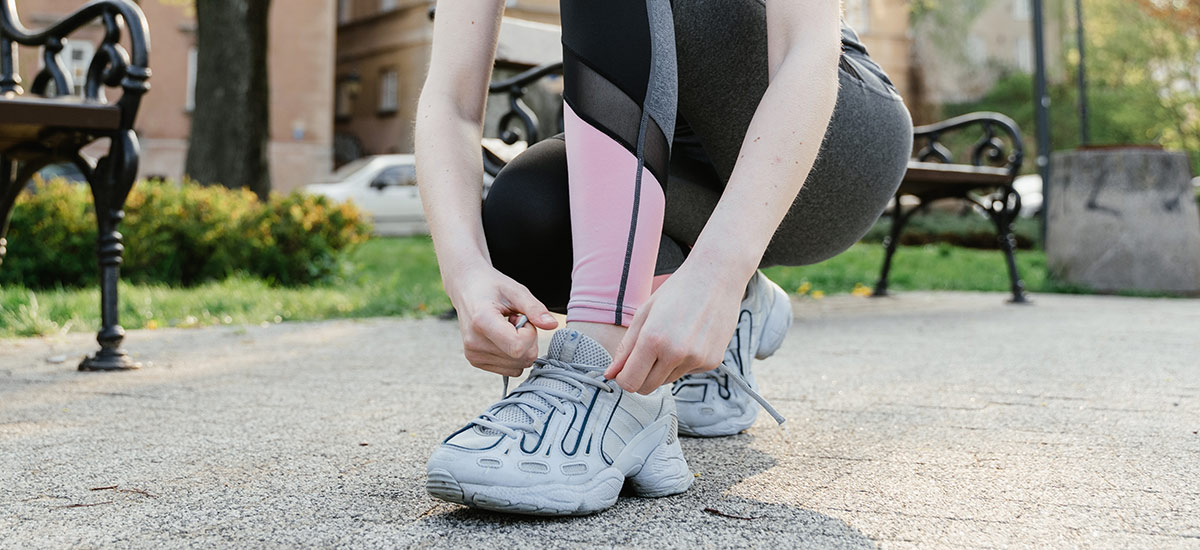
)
(724, 263)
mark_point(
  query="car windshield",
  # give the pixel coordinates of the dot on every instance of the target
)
(347, 170)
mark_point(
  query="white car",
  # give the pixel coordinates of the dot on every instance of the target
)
(385, 187)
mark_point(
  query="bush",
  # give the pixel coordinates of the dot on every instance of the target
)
(969, 230)
(180, 235)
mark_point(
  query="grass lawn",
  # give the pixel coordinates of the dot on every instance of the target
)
(400, 277)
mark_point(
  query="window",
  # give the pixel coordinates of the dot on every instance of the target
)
(347, 91)
(190, 102)
(405, 175)
(858, 15)
(1021, 10)
(387, 5)
(344, 12)
(77, 57)
(389, 88)
(1024, 54)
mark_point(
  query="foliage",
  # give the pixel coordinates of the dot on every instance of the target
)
(180, 235)
(1130, 114)
(1143, 69)
(967, 229)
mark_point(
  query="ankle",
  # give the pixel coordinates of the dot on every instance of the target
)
(606, 335)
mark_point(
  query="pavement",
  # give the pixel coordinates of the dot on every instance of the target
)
(927, 420)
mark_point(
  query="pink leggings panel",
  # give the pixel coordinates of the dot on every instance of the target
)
(616, 224)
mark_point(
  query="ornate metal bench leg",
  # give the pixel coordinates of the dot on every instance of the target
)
(111, 181)
(1008, 244)
(899, 220)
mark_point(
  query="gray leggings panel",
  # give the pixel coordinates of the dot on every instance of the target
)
(723, 74)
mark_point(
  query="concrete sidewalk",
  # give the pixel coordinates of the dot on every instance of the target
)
(930, 420)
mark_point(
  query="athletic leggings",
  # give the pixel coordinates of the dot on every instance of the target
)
(658, 98)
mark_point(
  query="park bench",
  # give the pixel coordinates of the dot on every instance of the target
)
(983, 174)
(46, 124)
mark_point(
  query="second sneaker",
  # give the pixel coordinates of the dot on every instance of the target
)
(725, 401)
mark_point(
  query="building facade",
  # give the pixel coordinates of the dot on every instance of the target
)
(959, 54)
(301, 82)
(383, 50)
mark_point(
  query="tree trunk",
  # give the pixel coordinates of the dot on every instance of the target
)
(230, 121)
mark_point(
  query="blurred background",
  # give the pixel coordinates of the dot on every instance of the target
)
(318, 98)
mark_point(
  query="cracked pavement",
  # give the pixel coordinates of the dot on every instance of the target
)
(927, 420)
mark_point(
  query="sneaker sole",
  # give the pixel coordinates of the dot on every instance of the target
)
(653, 467)
(726, 427)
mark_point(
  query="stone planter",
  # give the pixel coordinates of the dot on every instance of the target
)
(1123, 219)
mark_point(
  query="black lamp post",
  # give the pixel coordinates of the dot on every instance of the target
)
(1085, 131)
(1041, 99)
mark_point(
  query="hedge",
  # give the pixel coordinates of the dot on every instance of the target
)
(180, 235)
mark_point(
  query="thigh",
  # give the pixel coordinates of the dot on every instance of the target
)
(723, 74)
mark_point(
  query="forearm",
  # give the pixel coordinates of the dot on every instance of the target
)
(779, 150)
(450, 170)
(449, 127)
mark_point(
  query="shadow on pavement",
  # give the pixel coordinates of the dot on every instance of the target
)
(700, 517)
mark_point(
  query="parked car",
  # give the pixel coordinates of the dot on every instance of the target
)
(385, 187)
(63, 170)
(1030, 189)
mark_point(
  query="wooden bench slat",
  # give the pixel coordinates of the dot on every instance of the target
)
(67, 112)
(927, 177)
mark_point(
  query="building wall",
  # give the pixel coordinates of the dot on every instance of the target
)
(371, 41)
(957, 65)
(301, 81)
(884, 27)
(368, 46)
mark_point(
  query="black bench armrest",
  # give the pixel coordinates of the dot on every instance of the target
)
(111, 66)
(519, 113)
(999, 144)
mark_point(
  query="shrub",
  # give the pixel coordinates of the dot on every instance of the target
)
(180, 235)
(969, 230)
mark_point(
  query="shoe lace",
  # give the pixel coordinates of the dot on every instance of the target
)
(538, 400)
(724, 373)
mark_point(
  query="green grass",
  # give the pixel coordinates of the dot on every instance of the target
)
(930, 267)
(389, 277)
(399, 277)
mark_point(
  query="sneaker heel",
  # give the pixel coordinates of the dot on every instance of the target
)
(665, 471)
(774, 331)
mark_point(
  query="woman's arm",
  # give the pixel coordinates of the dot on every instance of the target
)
(450, 126)
(450, 175)
(689, 320)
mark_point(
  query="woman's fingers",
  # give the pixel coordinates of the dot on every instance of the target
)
(524, 302)
(625, 347)
(496, 328)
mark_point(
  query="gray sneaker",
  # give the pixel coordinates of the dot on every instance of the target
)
(725, 401)
(564, 442)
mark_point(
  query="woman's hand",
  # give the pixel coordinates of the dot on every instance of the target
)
(488, 303)
(684, 328)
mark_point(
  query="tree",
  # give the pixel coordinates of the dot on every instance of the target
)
(230, 121)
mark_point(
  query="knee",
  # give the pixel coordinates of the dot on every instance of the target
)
(529, 201)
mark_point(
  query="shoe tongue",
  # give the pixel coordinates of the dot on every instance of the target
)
(568, 346)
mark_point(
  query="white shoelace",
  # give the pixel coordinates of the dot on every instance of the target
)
(536, 401)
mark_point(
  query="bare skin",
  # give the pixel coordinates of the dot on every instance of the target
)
(688, 321)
